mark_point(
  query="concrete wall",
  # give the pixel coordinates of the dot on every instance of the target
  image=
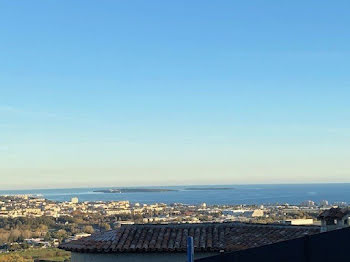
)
(132, 257)
(301, 221)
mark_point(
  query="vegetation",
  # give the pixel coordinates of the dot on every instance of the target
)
(15, 230)
(39, 254)
(18, 229)
(11, 258)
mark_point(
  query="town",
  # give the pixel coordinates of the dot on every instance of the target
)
(29, 221)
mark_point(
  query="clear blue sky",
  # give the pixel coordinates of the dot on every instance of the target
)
(119, 93)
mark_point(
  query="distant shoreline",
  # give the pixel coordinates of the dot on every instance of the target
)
(154, 190)
(179, 186)
(133, 190)
(210, 194)
(209, 188)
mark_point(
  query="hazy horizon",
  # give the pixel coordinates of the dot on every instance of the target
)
(154, 92)
(175, 185)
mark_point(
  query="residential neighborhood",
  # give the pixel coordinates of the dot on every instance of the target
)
(35, 221)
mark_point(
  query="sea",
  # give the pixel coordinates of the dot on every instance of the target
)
(209, 194)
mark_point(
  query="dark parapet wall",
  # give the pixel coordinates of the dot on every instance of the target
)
(324, 247)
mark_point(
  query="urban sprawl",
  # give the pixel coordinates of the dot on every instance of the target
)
(27, 221)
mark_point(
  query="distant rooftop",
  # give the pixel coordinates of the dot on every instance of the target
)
(334, 213)
(208, 237)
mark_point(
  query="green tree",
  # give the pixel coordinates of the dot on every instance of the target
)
(89, 229)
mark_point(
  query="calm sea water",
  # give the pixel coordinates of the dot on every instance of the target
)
(240, 194)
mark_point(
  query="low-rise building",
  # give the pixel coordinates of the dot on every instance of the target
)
(299, 222)
(334, 218)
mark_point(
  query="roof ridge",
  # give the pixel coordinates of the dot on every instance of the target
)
(180, 225)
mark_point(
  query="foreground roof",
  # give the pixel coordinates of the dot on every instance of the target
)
(334, 213)
(208, 237)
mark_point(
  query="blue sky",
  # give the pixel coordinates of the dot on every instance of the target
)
(123, 93)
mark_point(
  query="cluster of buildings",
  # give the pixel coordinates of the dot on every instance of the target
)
(303, 214)
(27, 206)
(158, 232)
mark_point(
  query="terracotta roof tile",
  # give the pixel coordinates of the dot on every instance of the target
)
(173, 237)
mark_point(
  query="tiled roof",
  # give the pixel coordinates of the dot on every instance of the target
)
(334, 213)
(208, 237)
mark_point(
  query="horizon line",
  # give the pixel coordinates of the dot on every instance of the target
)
(199, 185)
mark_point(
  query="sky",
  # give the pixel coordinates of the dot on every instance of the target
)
(133, 93)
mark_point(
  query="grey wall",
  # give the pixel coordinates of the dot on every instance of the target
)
(132, 257)
(325, 247)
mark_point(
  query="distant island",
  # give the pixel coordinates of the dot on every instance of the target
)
(209, 188)
(134, 190)
(152, 190)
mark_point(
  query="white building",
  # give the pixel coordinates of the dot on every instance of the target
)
(324, 203)
(299, 222)
(308, 203)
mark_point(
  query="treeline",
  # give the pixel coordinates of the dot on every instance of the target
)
(21, 228)
(17, 229)
(27, 222)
